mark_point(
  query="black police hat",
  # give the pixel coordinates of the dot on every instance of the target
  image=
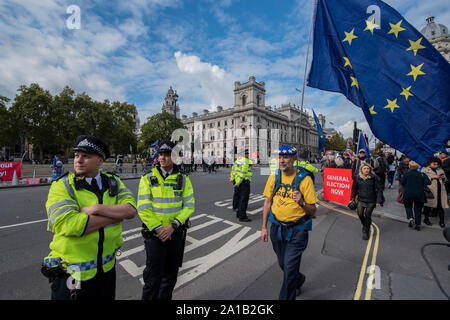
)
(91, 144)
(304, 155)
(166, 147)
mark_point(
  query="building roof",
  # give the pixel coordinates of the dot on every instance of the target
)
(434, 30)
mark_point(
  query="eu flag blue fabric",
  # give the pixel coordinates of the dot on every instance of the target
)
(362, 145)
(320, 132)
(367, 51)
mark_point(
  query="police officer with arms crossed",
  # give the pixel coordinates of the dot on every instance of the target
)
(165, 203)
(85, 212)
(289, 205)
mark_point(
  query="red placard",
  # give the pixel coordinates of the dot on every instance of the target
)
(337, 185)
(7, 170)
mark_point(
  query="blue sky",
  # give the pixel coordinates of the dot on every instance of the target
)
(134, 50)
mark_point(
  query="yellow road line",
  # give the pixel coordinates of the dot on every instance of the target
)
(374, 259)
(375, 240)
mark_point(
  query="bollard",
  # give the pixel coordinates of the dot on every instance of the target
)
(15, 179)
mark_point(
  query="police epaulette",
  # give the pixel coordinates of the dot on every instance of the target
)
(63, 175)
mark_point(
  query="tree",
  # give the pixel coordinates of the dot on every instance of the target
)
(159, 126)
(336, 142)
(5, 123)
(35, 117)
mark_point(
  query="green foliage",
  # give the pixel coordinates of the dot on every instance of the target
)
(336, 142)
(52, 124)
(159, 126)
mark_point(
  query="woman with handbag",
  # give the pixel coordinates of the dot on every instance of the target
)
(413, 183)
(367, 187)
(439, 200)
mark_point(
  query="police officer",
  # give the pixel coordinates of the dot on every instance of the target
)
(304, 163)
(289, 205)
(165, 203)
(242, 178)
(85, 212)
(273, 165)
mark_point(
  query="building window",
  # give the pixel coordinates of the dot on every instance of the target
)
(225, 122)
(257, 100)
(244, 100)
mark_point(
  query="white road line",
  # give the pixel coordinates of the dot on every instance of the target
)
(197, 243)
(255, 211)
(22, 224)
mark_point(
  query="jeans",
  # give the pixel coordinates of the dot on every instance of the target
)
(289, 256)
(416, 214)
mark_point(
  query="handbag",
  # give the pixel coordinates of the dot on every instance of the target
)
(400, 197)
(427, 192)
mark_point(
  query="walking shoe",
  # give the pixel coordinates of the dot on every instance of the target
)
(418, 228)
(411, 223)
(298, 291)
(245, 219)
(427, 222)
(441, 224)
(365, 235)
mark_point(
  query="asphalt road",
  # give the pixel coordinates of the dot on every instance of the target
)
(225, 258)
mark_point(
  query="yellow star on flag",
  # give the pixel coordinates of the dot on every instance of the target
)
(392, 105)
(395, 28)
(415, 71)
(415, 46)
(354, 82)
(349, 36)
(406, 93)
(370, 25)
(347, 62)
(372, 111)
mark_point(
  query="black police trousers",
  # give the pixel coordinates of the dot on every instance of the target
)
(243, 194)
(162, 264)
(101, 287)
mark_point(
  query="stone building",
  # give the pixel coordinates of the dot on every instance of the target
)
(249, 124)
(439, 36)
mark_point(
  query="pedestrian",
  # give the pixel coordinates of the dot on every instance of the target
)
(445, 160)
(402, 168)
(413, 183)
(134, 165)
(242, 180)
(392, 166)
(289, 206)
(362, 158)
(366, 186)
(85, 211)
(380, 168)
(119, 163)
(165, 203)
(437, 187)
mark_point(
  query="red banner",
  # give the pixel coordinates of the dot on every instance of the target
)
(7, 170)
(337, 185)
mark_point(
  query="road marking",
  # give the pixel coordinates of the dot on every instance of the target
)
(372, 240)
(195, 267)
(22, 224)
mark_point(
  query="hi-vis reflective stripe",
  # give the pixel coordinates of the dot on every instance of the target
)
(159, 210)
(69, 187)
(60, 204)
(83, 266)
(60, 212)
(164, 200)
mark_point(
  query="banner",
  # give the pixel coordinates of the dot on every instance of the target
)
(7, 170)
(337, 185)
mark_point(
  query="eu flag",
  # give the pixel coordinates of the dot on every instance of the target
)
(363, 145)
(367, 51)
(320, 132)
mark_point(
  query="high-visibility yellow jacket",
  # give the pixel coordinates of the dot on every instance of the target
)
(306, 165)
(81, 254)
(242, 171)
(161, 201)
(273, 165)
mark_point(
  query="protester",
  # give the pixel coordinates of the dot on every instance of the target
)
(446, 167)
(356, 165)
(439, 201)
(380, 169)
(392, 166)
(413, 195)
(402, 168)
(368, 189)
